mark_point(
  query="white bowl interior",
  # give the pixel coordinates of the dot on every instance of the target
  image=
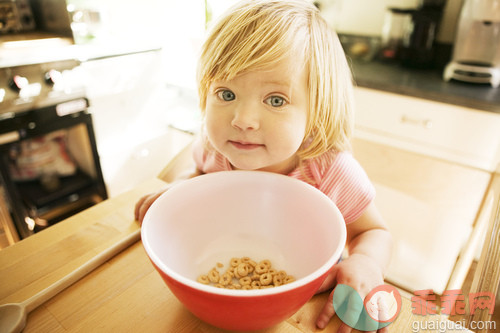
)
(215, 217)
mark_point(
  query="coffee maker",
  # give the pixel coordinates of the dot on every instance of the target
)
(476, 54)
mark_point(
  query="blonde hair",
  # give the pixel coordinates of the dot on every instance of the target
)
(255, 34)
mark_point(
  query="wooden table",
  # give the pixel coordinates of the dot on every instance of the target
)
(125, 294)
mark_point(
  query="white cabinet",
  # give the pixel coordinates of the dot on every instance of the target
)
(450, 132)
(431, 164)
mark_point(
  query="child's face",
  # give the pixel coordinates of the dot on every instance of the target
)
(258, 119)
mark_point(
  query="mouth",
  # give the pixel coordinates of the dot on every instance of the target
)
(245, 145)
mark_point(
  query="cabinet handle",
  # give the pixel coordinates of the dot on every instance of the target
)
(425, 123)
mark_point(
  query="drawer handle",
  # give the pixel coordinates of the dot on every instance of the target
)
(425, 123)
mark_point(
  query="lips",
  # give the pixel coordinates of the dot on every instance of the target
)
(245, 145)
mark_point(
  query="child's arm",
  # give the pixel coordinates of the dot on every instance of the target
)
(143, 204)
(370, 246)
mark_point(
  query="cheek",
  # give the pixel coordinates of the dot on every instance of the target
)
(294, 131)
(214, 123)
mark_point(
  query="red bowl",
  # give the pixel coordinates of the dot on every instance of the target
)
(215, 217)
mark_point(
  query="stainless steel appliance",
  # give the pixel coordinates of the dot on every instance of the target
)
(49, 164)
(476, 53)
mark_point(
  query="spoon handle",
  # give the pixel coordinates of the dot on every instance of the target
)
(44, 295)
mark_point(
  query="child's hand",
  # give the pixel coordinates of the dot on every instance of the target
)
(359, 272)
(142, 206)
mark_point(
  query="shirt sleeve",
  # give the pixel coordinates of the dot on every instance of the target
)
(347, 184)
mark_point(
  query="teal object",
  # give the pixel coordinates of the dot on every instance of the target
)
(350, 309)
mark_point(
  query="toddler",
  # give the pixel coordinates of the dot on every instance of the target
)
(275, 92)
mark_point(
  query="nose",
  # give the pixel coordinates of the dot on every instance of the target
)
(246, 117)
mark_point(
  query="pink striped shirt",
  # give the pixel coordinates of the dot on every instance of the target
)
(337, 174)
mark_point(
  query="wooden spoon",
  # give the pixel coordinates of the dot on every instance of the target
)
(13, 315)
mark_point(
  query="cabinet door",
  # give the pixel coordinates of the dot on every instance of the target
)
(458, 134)
(430, 206)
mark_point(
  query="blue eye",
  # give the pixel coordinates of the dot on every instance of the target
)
(226, 95)
(276, 101)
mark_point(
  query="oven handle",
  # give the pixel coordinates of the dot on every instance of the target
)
(9, 137)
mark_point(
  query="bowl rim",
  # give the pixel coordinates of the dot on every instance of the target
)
(326, 267)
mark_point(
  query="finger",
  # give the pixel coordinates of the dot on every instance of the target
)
(383, 330)
(145, 206)
(354, 308)
(326, 313)
(138, 207)
(344, 328)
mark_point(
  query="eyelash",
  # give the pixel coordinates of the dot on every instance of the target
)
(220, 95)
(283, 101)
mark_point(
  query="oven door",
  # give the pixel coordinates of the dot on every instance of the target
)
(49, 165)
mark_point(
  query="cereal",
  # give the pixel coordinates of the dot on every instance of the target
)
(213, 275)
(261, 268)
(225, 279)
(255, 284)
(245, 274)
(245, 280)
(235, 262)
(203, 279)
(242, 270)
(277, 280)
(266, 279)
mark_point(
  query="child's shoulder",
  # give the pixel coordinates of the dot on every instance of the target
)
(338, 164)
(333, 159)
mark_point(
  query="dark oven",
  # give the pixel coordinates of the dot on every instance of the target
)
(49, 164)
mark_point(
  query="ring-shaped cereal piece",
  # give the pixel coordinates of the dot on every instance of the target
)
(266, 279)
(246, 287)
(266, 262)
(225, 279)
(261, 268)
(288, 279)
(245, 280)
(203, 279)
(235, 262)
(214, 276)
(242, 269)
(255, 284)
(277, 280)
(282, 274)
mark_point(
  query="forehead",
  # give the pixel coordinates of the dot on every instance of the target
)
(289, 72)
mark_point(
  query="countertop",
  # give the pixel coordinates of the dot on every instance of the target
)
(125, 294)
(424, 83)
(51, 51)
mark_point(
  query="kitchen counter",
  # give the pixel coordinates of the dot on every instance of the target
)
(425, 84)
(50, 51)
(125, 294)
